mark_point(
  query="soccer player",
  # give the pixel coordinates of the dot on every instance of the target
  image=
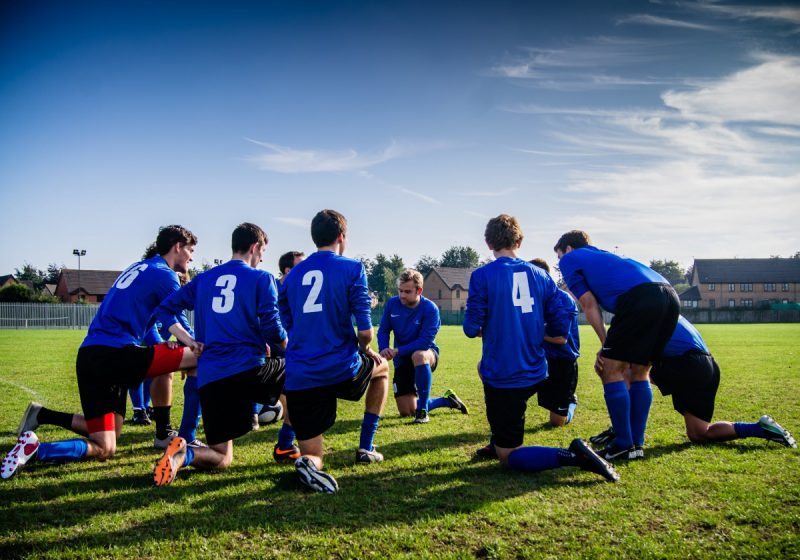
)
(288, 261)
(690, 374)
(558, 392)
(415, 322)
(326, 360)
(236, 315)
(509, 302)
(646, 310)
(111, 359)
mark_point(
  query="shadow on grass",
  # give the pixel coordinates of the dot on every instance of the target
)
(267, 497)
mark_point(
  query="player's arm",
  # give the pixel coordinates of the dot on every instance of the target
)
(594, 315)
(169, 311)
(268, 315)
(555, 339)
(384, 330)
(283, 306)
(477, 305)
(360, 301)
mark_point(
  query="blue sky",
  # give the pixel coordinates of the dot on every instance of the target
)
(665, 129)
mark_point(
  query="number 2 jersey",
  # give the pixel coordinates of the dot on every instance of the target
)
(125, 316)
(509, 302)
(235, 316)
(318, 300)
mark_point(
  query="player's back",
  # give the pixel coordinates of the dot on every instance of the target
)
(685, 338)
(318, 302)
(236, 315)
(605, 274)
(125, 315)
(508, 302)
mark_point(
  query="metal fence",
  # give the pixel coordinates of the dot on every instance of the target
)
(79, 316)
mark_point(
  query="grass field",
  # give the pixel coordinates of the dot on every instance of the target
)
(430, 498)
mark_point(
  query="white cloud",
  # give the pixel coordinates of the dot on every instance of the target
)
(767, 92)
(784, 14)
(423, 197)
(647, 19)
(297, 222)
(283, 159)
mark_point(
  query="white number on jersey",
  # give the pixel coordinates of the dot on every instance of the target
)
(224, 301)
(126, 278)
(521, 292)
(312, 278)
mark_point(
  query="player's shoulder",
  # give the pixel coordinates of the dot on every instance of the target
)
(426, 304)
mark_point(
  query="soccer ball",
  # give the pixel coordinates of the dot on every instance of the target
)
(270, 413)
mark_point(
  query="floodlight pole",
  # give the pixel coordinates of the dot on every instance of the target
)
(79, 253)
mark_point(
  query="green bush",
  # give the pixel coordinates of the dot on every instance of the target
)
(16, 293)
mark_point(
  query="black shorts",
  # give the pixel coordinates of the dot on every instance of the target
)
(313, 411)
(558, 390)
(227, 404)
(106, 373)
(404, 381)
(645, 319)
(505, 410)
(692, 379)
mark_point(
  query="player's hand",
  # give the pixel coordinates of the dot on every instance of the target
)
(387, 353)
(268, 351)
(173, 344)
(377, 358)
(196, 348)
(598, 363)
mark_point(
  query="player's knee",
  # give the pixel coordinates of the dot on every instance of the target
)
(697, 436)
(558, 421)
(406, 409)
(224, 463)
(105, 453)
(421, 357)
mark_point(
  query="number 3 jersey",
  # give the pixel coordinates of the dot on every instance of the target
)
(319, 299)
(509, 302)
(235, 316)
(125, 316)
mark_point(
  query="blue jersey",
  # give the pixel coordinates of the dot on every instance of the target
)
(124, 316)
(158, 334)
(572, 349)
(235, 316)
(684, 339)
(509, 302)
(414, 328)
(606, 275)
(318, 301)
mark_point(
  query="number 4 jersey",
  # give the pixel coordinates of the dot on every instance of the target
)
(235, 316)
(509, 302)
(318, 301)
(125, 315)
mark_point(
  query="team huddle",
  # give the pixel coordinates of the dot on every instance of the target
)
(290, 349)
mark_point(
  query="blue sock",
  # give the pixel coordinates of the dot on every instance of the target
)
(257, 408)
(534, 459)
(191, 410)
(67, 450)
(368, 428)
(187, 460)
(147, 383)
(641, 399)
(286, 436)
(618, 402)
(571, 411)
(137, 396)
(438, 402)
(422, 379)
(745, 430)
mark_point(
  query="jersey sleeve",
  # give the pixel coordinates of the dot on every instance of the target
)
(385, 328)
(268, 315)
(283, 305)
(558, 312)
(568, 265)
(427, 333)
(477, 304)
(170, 309)
(360, 300)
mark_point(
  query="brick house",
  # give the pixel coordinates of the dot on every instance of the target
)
(7, 280)
(93, 287)
(719, 283)
(448, 287)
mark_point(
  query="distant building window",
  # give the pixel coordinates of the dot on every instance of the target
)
(440, 294)
(785, 287)
(458, 294)
(731, 303)
(731, 287)
(746, 287)
(785, 301)
(747, 302)
(712, 303)
(712, 287)
(769, 287)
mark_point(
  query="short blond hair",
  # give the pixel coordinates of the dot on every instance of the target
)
(410, 275)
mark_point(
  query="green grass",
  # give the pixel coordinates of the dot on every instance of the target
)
(429, 498)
